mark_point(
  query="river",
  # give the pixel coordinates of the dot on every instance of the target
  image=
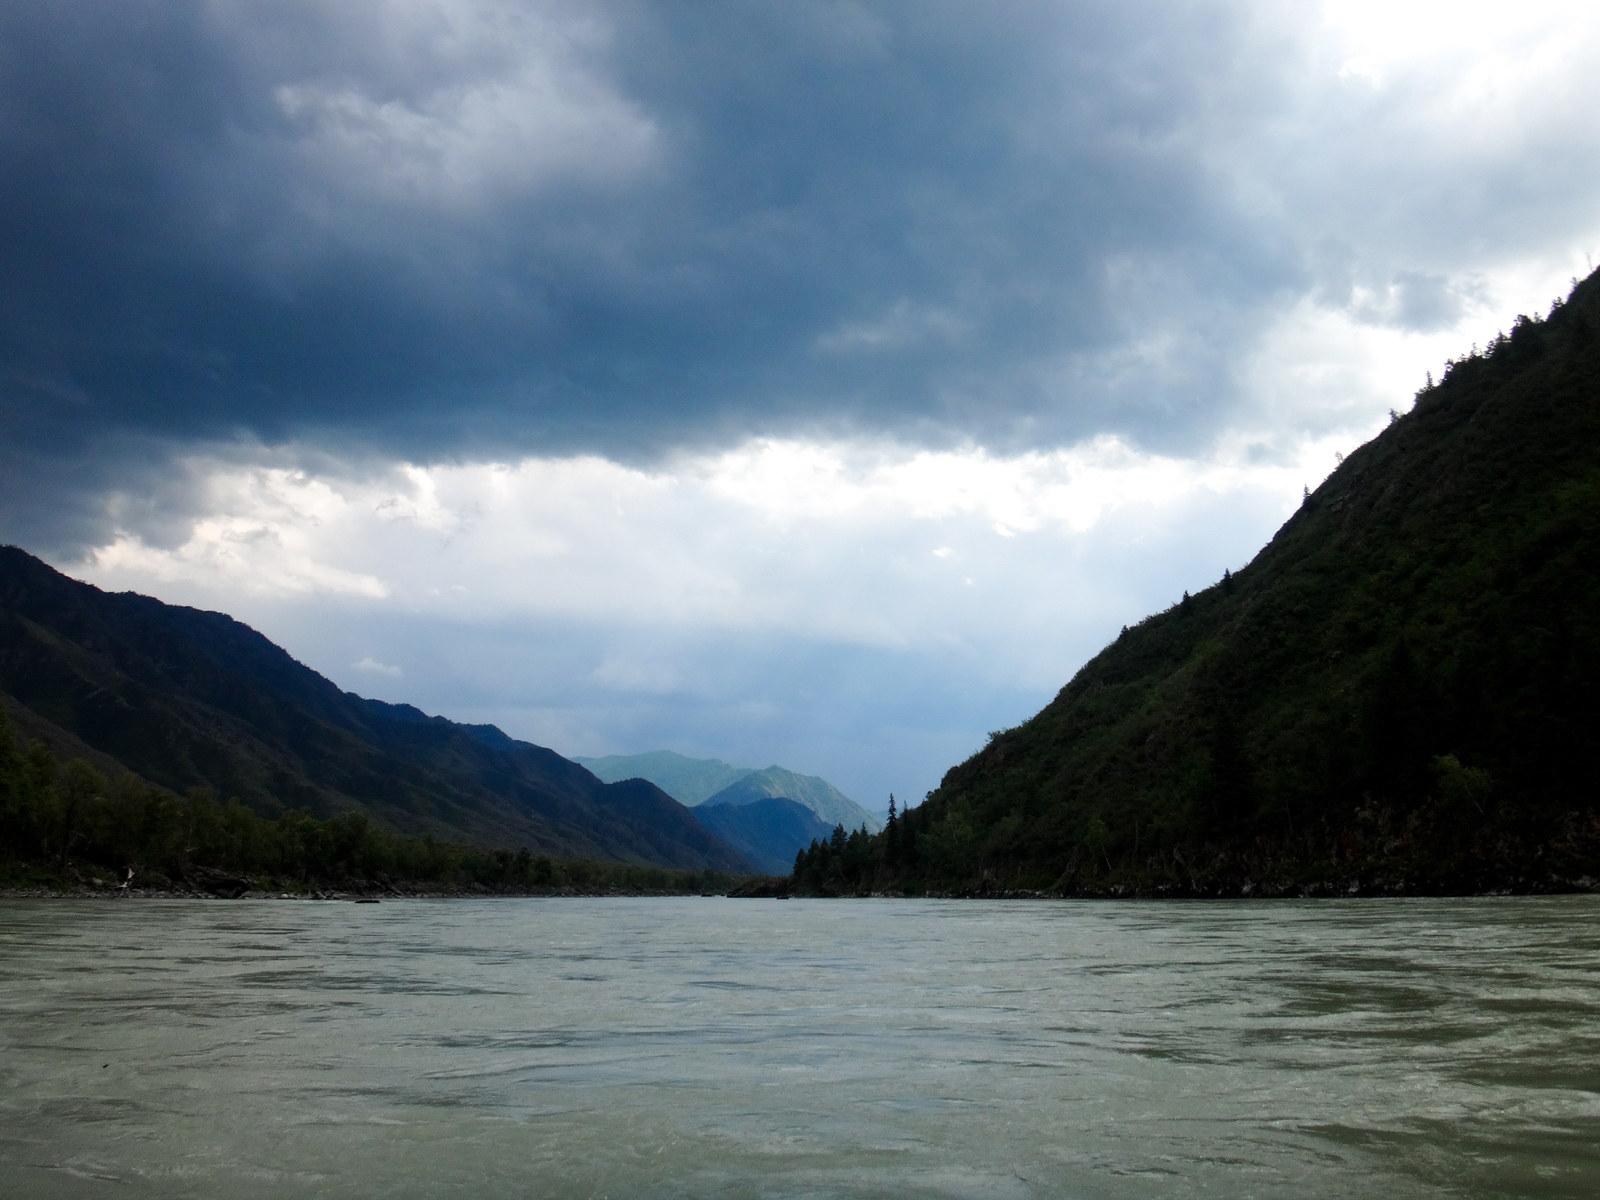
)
(706, 1047)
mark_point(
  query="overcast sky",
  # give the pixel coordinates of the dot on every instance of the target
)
(819, 383)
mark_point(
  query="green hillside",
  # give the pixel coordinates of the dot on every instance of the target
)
(1397, 694)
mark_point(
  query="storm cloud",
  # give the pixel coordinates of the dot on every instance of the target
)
(484, 229)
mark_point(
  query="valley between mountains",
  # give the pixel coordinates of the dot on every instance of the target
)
(1396, 695)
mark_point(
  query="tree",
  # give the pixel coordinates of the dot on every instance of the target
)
(1097, 840)
(1229, 787)
(1461, 787)
(81, 787)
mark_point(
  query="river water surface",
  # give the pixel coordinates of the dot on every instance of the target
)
(731, 1048)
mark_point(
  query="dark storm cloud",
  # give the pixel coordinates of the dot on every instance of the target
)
(437, 229)
(179, 263)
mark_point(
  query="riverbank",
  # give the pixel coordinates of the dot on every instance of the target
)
(358, 894)
(512, 875)
(782, 888)
(1335, 889)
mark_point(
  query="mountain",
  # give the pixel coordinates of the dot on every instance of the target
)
(186, 698)
(821, 797)
(768, 831)
(689, 781)
(1396, 695)
(701, 781)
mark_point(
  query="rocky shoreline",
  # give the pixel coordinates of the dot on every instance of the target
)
(210, 883)
(782, 888)
(367, 897)
(1352, 888)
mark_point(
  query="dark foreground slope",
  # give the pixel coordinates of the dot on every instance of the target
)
(186, 699)
(1398, 694)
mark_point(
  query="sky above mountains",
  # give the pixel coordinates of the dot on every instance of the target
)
(811, 382)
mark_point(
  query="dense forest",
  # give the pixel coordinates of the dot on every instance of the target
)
(69, 825)
(1396, 695)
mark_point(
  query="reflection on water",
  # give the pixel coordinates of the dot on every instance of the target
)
(710, 1047)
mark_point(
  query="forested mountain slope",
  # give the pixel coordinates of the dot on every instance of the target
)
(1397, 694)
(187, 698)
(767, 832)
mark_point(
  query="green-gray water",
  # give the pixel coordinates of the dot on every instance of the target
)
(710, 1047)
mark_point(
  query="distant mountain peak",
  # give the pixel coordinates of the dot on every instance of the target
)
(687, 780)
(767, 814)
(817, 794)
